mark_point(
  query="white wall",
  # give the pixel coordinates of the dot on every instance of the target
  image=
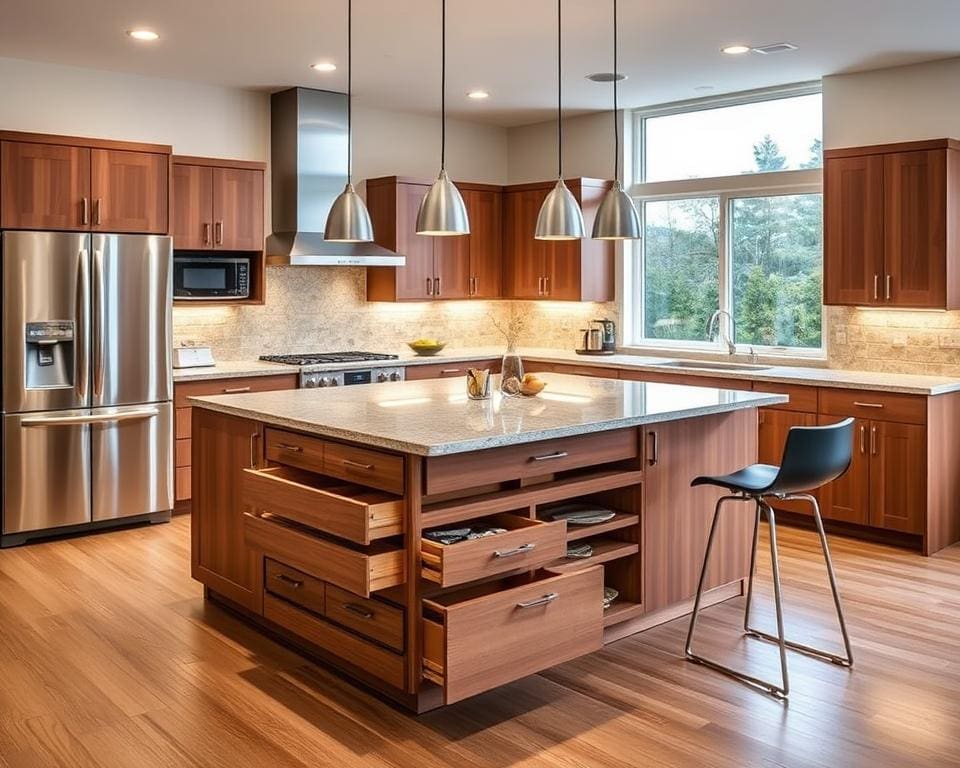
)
(921, 101)
(587, 149)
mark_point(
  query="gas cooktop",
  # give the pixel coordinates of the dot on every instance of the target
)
(320, 358)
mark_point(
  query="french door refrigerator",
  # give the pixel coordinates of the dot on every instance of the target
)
(87, 434)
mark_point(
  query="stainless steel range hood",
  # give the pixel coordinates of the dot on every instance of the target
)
(308, 150)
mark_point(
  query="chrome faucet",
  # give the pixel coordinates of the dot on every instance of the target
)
(715, 328)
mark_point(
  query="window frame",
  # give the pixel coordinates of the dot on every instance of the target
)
(726, 189)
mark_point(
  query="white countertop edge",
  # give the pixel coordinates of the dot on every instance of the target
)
(758, 400)
(812, 376)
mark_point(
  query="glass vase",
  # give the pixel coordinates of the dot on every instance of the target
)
(511, 372)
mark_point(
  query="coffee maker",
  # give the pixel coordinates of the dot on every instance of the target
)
(609, 339)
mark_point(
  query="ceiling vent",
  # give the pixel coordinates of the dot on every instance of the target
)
(766, 50)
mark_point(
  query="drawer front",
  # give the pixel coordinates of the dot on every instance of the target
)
(457, 471)
(183, 423)
(361, 465)
(364, 656)
(360, 571)
(500, 637)
(295, 586)
(447, 370)
(884, 406)
(374, 619)
(802, 399)
(182, 477)
(348, 511)
(294, 450)
(526, 544)
(182, 452)
(232, 386)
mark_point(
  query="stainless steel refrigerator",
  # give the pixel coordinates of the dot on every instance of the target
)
(87, 381)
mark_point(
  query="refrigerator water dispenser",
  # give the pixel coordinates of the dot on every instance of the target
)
(49, 355)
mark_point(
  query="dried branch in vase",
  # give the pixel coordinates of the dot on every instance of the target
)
(512, 328)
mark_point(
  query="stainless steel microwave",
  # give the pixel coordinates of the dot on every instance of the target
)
(211, 278)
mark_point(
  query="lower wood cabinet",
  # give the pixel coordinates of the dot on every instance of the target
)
(774, 426)
(898, 476)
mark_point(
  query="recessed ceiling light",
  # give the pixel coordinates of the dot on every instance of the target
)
(735, 49)
(324, 66)
(774, 48)
(143, 34)
(606, 77)
(479, 93)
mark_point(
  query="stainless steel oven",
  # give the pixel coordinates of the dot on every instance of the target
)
(211, 278)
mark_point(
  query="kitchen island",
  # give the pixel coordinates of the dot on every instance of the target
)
(316, 515)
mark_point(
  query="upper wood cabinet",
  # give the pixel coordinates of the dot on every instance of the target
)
(217, 204)
(574, 270)
(891, 225)
(73, 184)
(437, 268)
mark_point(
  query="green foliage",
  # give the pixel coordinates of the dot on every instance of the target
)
(776, 257)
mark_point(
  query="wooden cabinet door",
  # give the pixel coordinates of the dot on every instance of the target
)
(237, 209)
(486, 244)
(772, 436)
(915, 228)
(223, 446)
(130, 191)
(898, 476)
(192, 226)
(563, 271)
(853, 267)
(44, 186)
(524, 257)
(451, 266)
(848, 497)
(676, 517)
(415, 278)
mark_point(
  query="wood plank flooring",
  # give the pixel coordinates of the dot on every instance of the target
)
(110, 657)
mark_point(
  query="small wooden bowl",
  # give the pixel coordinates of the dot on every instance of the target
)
(425, 350)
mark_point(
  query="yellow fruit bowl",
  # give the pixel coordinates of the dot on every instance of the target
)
(425, 348)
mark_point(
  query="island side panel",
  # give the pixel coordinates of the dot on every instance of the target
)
(676, 519)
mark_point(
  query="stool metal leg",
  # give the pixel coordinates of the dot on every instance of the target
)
(777, 690)
(843, 661)
(753, 568)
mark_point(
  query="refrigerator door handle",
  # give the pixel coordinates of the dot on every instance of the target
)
(98, 291)
(82, 335)
(53, 421)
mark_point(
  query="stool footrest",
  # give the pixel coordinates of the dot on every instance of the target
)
(801, 648)
(774, 690)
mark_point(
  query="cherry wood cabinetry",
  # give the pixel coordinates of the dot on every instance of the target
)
(437, 268)
(576, 270)
(892, 225)
(83, 185)
(192, 227)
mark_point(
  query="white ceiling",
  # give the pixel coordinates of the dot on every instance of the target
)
(669, 48)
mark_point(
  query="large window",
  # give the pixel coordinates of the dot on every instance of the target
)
(731, 202)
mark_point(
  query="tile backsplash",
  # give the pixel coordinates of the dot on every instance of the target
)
(317, 309)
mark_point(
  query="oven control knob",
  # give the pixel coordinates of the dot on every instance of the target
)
(382, 377)
(309, 382)
(323, 381)
(394, 376)
(334, 383)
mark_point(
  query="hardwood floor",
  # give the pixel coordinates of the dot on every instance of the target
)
(109, 657)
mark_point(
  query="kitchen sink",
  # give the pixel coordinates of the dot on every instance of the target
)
(713, 366)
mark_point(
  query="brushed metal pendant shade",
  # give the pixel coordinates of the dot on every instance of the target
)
(560, 217)
(617, 217)
(442, 210)
(349, 220)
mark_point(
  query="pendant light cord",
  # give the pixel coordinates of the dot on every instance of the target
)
(349, 91)
(559, 93)
(616, 118)
(443, 85)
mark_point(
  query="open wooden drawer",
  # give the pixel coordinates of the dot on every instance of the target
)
(491, 634)
(526, 544)
(360, 570)
(350, 511)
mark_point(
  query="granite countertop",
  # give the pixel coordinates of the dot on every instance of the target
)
(434, 417)
(811, 376)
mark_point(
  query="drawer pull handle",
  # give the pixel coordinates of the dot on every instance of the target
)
(357, 465)
(547, 598)
(873, 441)
(235, 390)
(288, 447)
(515, 551)
(445, 371)
(867, 405)
(295, 583)
(863, 430)
(359, 610)
(549, 456)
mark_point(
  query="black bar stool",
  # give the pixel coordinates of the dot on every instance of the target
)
(812, 457)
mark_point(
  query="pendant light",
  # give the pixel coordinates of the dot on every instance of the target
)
(617, 217)
(560, 216)
(442, 211)
(349, 219)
